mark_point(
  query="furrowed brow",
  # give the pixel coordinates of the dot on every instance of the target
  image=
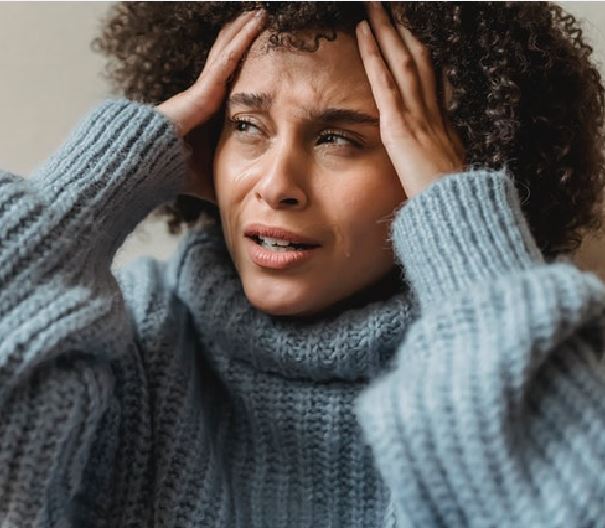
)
(343, 116)
(261, 101)
(329, 116)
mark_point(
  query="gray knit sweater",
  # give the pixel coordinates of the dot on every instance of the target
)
(158, 396)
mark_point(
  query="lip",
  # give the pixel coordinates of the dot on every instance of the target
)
(266, 258)
(278, 232)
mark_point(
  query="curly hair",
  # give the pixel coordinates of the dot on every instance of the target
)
(525, 93)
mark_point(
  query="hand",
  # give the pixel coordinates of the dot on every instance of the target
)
(420, 142)
(192, 109)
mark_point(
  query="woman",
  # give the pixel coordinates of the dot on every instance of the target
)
(416, 359)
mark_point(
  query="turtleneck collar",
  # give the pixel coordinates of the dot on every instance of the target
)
(355, 340)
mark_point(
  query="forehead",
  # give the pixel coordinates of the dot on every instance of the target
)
(333, 74)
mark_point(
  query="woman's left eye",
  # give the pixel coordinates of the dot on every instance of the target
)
(334, 138)
(242, 125)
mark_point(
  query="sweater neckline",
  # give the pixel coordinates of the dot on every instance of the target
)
(355, 342)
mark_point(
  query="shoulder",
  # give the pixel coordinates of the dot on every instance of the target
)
(150, 288)
(147, 286)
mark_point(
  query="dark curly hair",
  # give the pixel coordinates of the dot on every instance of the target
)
(525, 92)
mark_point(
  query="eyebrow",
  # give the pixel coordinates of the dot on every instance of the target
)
(344, 116)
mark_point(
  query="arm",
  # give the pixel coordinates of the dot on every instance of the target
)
(495, 412)
(62, 315)
(63, 319)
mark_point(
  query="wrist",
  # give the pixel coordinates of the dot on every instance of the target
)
(175, 109)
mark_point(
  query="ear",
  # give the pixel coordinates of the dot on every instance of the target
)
(199, 180)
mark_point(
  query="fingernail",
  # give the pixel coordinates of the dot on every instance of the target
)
(363, 27)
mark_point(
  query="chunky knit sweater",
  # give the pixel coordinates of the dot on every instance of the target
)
(158, 396)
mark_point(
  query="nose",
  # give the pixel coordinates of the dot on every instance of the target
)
(282, 183)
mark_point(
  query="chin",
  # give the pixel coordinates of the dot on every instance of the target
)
(278, 298)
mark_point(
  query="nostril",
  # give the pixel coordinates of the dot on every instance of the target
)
(290, 200)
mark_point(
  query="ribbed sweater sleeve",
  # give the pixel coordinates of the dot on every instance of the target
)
(62, 315)
(494, 413)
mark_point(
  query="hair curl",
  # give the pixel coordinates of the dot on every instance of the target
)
(525, 91)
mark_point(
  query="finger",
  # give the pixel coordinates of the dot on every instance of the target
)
(227, 33)
(227, 60)
(384, 88)
(204, 98)
(426, 73)
(398, 58)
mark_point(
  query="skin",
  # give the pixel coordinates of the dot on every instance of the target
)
(333, 180)
(281, 164)
(421, 143)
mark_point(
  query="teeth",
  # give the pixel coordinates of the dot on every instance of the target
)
(274, 244)
(276, 248)
(274, 241)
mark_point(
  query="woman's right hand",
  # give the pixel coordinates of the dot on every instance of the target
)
(195, 106)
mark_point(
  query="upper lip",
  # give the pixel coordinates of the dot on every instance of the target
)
(278, 232)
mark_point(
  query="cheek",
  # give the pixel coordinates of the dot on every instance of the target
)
(363, 213)
(371, 191)
(224, 186)
(232, 183)
(227, 175)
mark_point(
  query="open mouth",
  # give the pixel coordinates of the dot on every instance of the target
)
(280, 245)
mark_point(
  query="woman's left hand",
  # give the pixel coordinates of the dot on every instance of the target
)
(420, 142)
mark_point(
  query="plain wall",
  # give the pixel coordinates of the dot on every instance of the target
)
(51, 78)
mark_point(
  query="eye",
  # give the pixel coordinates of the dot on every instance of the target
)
(331, 137)
(242, 125)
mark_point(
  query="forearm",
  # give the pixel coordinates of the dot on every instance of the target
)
(63, 319)
(494, 414)
(121, 161)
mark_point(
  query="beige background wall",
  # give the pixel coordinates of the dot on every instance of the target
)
(50, 79)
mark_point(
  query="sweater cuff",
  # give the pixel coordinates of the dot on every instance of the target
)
(464, 228)
(118, 164)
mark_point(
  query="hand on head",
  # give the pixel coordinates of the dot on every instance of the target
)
(422, 145)
(191, 109)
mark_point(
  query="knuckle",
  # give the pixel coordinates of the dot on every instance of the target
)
(373, 54)
(231, 56)
(423, 52)
(393, 103)
(386, 80)
(226, 57)
(407, 63)
(422, 128)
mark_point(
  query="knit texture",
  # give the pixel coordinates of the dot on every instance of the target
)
(157, 395)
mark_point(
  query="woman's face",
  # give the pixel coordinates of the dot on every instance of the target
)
(300, 150)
